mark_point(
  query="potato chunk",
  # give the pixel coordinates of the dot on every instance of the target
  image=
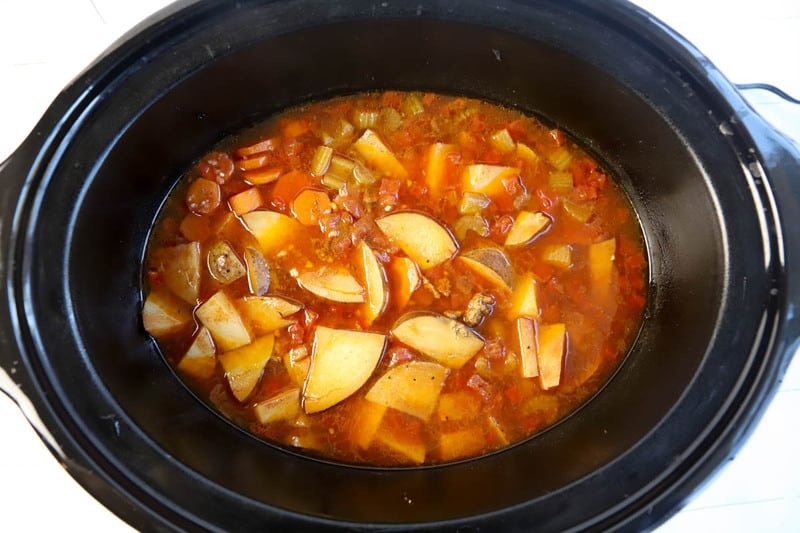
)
(283, 406)
(265, 314)
(222, 319)
(448, 341)
(378, 155)
(491, 264)
(341, 362)
(179, 267)
(487, 179)
(163, 313)
(272, 230)
(412, 388)
(332, 284)
(422, 238)
(524, 300)
(244, 366)
(461, 443)
(550, 356)
(200, 359)
(375, 281)
(405, 280)
(601, 267)
(526, 227)
(527, 347)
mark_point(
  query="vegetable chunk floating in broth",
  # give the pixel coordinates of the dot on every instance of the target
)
(396, 278)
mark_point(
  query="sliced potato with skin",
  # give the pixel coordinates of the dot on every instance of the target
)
(491, 264)
(297, 362)
(244, 366)
(405, 280)
(422, 238)
(601, 266)
(223, 263)
(377, 154)
(375, 281)
(258, 272)
(271, 229)
(341, 362)
(487, 179)
(332, 284)
(524, 299)
(526, 227)
(200, 359)
(283, 406)
(526, 335)
(268, 313)
(448, 341)
(179, 267)
(412, 388)
(222, 319)
(164, 313)
(550, 354)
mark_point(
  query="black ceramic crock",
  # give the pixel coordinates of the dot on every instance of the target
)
(715, 188)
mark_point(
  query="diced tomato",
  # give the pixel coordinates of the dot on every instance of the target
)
(557, 136)
(545, 202)
(492, 157)
(514, 395)
(398, 355)
(389, 192)
(500, 227)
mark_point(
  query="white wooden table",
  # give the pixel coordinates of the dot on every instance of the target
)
(46, 43)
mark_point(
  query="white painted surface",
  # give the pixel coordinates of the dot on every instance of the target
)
(46, 43)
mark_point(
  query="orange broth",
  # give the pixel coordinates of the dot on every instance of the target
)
(477, 257)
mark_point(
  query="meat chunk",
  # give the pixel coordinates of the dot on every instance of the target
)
(479, 307)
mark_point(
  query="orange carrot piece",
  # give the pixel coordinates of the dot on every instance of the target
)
(195, 228)
(309, 205)
(245, 201)
(295, 128)
(262, 176)
(287, 187)
(265, 145)
(252, 163)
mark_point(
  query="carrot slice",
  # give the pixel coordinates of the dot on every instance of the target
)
(262, 176)
(245, 201)
(195, 228)
(287, 187)
(309, 205)
(295, 128)
(252, 163)
(265, 145)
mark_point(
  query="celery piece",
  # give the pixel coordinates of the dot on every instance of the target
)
(321, 160)
(341, 168)
(365, 119)
(332, 182)
(502, 141)
(389, 119)
(412, 105)
(473, 203)
(561, 158)
(363, 175)
(527, 153)
(579, 212)
(560, 180)
(559, 255)
(470, 222)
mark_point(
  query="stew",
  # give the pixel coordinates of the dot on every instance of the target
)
(396, 278)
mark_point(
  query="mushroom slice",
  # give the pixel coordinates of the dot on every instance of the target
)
(422, 238)
(490, 264)
(412, 388)
(332, 284)
(223, 263)
(448, 341)
(341, 362)
(527, 226)
(244, 366)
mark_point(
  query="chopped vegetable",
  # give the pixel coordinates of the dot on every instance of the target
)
(459, 405)
(364, 119)
(376, 153)
(366, 420)
(164, 314)
(412, 105)
(266, 314)
(266, 145)
(550, 354)
(527, 347)
(412, 388)
(559, 255)
(581, 212)
(258, 273)
(222, 319)
(527, 153)
(195, 228)
(363, 175)
(341, 168)
(435, 170)
(467, 223)
(497, 431)
(179, 268)
(332, 284)
(342, 361)
(601, 267)
(374, 281)
(244, 366)
(422, 238)
(491, 264)
(411, 447)
(405, 280)
(502, 141)
(487, 179)
(310, 205)
(297, 362)
(262, 176)
(389, 119)
(245, 201)
(200, 359)
(321, 161)
(223, 263)
(461, 443)
(283, 406)
(253, 163)
(473, 203)
(526, 227)
(272, 230)
(446, 340)
(524, 301)
(560, 158)
(560, 181)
